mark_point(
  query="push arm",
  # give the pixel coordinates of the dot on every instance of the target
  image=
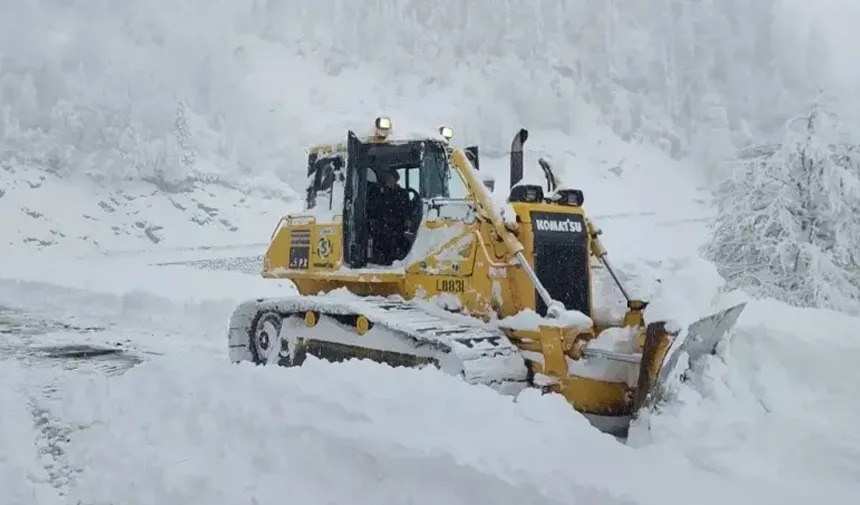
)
(599, 252)
(514, 247)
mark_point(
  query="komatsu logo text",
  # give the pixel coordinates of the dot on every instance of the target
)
(566, 225)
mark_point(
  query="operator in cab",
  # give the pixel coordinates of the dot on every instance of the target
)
(391, 213)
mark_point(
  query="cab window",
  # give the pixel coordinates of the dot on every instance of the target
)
(409, 179)
(435, 172)
(439, 178)
(456, 186)
(325, 172)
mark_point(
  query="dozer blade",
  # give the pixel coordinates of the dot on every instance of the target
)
(701, 339)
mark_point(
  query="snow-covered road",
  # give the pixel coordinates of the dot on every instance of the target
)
(162, 417)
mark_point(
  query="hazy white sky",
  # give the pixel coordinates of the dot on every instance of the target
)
(841, 19)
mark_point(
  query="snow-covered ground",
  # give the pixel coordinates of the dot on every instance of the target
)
(166, 419)
(186, 426)
(44, 211)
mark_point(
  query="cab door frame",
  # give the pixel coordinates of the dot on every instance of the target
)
(355, 231)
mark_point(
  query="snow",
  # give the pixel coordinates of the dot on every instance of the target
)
(169, 432)
(429, 240)
(616, 340)
(531, 320)
(447, 301)
(507, 213)
(359, 445)
(687, 291)
(124, 277)
(147, 149)
(43, 211)
(619, 340)
(786, 376)
(214, 432)
(786, 226)
(24, 478)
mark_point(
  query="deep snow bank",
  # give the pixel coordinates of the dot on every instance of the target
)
(357, 432)
(776, 407)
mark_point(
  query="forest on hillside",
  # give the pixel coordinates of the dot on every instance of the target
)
(127, 89)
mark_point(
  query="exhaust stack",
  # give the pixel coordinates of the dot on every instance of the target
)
(517, 156)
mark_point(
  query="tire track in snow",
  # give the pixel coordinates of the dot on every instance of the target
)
(39, 368)
(244, 264)
(22, 472)
(53, 336)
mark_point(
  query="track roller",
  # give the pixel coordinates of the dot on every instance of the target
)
(362, 325)
(311, 318)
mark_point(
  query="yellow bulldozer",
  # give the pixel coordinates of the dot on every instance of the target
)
(402, 256)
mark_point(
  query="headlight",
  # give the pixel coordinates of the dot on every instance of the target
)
(383, 123)
(447, 132)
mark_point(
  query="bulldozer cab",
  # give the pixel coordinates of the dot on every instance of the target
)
(350, 193)
(381, 219)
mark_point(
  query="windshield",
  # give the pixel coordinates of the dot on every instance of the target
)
(422, 166)
(438, 178)
(434, 171)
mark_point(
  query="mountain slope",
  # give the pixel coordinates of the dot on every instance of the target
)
(77, 215)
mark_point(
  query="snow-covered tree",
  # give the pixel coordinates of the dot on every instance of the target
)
(787, 225)
(675, 73)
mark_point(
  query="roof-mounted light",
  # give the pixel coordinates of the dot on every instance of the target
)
(447, 132)
(383, 126)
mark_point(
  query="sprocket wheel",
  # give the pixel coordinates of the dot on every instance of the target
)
(266, 344)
